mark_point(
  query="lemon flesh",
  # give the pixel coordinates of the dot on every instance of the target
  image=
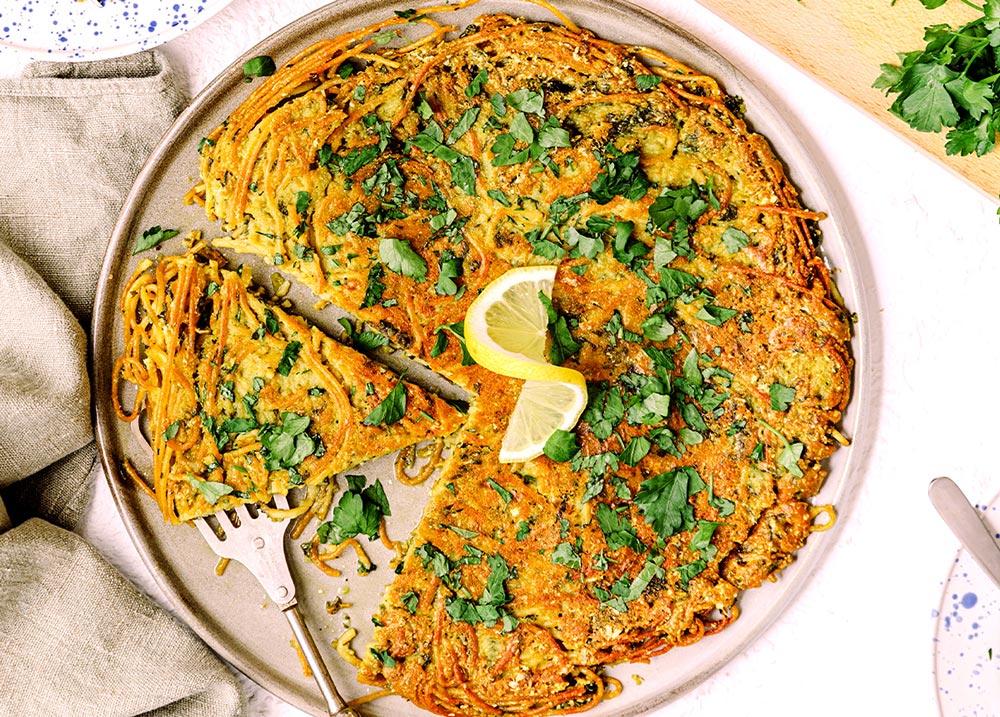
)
(505, 331)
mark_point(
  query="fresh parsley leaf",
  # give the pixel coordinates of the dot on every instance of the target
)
(617, 528)
(211, 490)
(153, 237)
(505, 495)
(715, 315)
(645, 82)
(734, 239)
(171, 431)
(391, 409)
(527, 101)
(790, 453)
(464, 123)
(605, 410)
(410, 601)
(561, 446)
(636, 450)
(260, 66)
(302, 200)
(663, 500)
(383, 656)
(288, 357)
(475, 86)
(400, 257)
(449, 269)
(375, 286)
(489, 608)
(620, 175)
(781, 396)
(952, 82)
(566, 554)
(359, 512)
(563, 344)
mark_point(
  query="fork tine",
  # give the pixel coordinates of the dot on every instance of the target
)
(207, 533)
(281, 502)
(244, 515)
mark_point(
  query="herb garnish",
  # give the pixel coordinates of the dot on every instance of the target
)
(953, 82)
(391, 409)
(153, 237)
(359, 512)
(400, 257)
(260, 66)
(288, 357)
(211, 490)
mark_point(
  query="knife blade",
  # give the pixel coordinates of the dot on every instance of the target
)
(967, 524)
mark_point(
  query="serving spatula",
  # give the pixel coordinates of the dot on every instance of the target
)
(258, 542)
(967, 524)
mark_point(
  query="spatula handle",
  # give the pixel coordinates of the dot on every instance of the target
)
(334, 702)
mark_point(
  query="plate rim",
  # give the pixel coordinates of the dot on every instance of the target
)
(209, 8)
(865, 344)
(960, 552)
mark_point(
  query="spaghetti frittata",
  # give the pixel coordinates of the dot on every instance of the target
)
(396, 177)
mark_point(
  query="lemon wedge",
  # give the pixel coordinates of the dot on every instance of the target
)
(505, 331)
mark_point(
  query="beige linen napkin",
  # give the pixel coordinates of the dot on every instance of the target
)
(75, 637)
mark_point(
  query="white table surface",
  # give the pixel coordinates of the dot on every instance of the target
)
(858, 639)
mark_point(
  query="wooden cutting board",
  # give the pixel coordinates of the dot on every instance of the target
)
(843, 42)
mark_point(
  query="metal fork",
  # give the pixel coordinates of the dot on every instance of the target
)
(259, 543)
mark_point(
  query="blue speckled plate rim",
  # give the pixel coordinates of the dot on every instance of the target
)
(202, 10)
(942, 613)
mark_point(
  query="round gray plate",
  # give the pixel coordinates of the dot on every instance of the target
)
(231, 612)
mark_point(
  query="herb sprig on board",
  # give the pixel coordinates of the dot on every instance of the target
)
(953, 82)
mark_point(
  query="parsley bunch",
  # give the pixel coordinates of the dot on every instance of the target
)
(952, 83)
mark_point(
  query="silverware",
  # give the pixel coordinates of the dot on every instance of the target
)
(259, 543)
(967, 524)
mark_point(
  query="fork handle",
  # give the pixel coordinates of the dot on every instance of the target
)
(334, 702)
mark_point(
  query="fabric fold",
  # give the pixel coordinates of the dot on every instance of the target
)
(77, 638)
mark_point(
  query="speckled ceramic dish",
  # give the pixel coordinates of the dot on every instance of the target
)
(967, 636)
(230, 612)
(72, 30)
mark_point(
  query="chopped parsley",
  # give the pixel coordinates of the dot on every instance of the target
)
(288, 357)
(400, 257)
(359, 512)
(260, 66)
(391, 409)
(781, 396)
(152, 237)
(620, 175)
(211, 490)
